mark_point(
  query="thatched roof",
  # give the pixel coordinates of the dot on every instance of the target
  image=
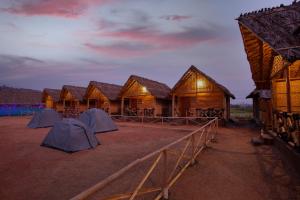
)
(266, 94)
(76, 91)
(157, 89)
(9, 95)
(196, 70)
(54, 93)
(279, 27)
(111, 91)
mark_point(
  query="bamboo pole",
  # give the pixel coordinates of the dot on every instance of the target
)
(127, 195)
(140, 185)
(165, 190)
(179, 159)
(113, 177)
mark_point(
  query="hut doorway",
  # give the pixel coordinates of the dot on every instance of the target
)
(185, 104)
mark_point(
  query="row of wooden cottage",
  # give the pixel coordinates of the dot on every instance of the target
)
(195, 94)
(271, 39)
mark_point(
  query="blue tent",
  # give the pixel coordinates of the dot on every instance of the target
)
(44, 118)
(98, 121)
(70, 135)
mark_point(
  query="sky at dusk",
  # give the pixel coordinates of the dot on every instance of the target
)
(49, 43)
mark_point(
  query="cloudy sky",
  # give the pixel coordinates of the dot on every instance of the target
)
(49, 43)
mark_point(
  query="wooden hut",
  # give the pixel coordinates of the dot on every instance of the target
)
(50, 97)
(197, 94)
(144, 97)
(271, 39)
(19, 96)
(72, 99)
(261, 105)
(104, 96)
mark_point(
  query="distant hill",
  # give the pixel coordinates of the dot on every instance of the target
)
(10, 95)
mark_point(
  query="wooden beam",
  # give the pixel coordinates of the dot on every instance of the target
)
(173, 105)
(122, 106)
(288, 90)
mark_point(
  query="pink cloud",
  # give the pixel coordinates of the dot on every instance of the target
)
(141, 41)
(60, 8)
(187, 37)
(175, 17)
(121, 49)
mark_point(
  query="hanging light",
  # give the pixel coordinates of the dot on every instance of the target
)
(200, 83)
(144, 89)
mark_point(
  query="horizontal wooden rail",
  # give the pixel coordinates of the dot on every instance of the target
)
(206, 132)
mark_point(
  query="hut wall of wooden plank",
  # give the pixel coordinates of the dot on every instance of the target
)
(197, 94)
(144, 97)
(271, 38)
(261, 105)
(104, 96)
(72, 99)
(50, 97)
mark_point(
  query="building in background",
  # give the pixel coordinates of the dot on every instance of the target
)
(104, 96)
(197, 94)
(144, 97)
(50, 97)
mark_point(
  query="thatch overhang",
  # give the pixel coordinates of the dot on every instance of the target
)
(53, 93)
(9, 95)
(268, 33)
(76, 92)
(110, 91)
(155, 88)
(265, 94)
(194, 69)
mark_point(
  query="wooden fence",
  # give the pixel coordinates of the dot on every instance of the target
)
(171, 160)
(198, 121)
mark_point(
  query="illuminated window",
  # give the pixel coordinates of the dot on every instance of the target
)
(200, 84)
(144, 89)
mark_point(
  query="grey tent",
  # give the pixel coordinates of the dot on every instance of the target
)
(70, 135)
(44, 118)
(98, 121)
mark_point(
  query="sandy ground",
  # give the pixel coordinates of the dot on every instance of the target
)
(229, 169)
(29, 171)
(234, 169)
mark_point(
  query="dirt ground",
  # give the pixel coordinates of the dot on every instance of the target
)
(234, 169)
(229, 169)
(29, 171)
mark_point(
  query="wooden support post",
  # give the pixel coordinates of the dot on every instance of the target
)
(155, 107)
(122, 106)
(88, 103)
(173, 105)
(165, 190)
(288, 90)
(64, 103)
(193, 150)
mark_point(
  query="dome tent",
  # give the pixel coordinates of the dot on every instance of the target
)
(44, 118)
(70, 135)
(98, 121)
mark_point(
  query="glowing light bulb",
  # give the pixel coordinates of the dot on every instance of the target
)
(144, 89)
(200, 84)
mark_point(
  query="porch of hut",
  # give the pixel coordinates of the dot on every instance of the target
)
(198, 95)
(144, 97)
(104, 96)
(50, 97)
(261, 102)
(72, 100)
(271, 41)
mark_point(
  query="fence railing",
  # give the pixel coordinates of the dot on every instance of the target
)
(170, 161)
(198, 121)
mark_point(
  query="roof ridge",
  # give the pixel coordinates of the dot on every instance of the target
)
(268, 10)
(150, 80)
